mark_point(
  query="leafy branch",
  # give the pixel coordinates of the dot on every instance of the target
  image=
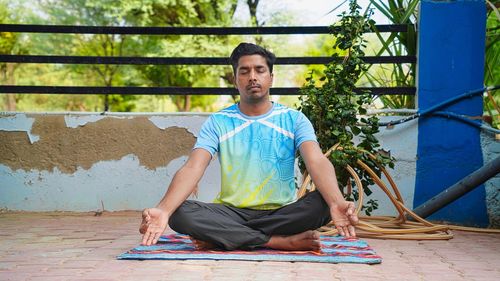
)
(333, 104)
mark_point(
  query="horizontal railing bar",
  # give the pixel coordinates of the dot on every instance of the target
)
(168, 30)
(10, 89)
(186, 60)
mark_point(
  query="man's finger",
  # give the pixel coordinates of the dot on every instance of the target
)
(145, 238)
(352, 231)
(145, 215)
(353, 219)
(143, 228)
(151, 238)
(156, 237)
(341, 230)
(351, 209)
(346, 232)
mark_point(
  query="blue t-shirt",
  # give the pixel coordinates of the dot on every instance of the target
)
(257, 154)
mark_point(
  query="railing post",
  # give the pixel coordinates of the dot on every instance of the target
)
(451, 62)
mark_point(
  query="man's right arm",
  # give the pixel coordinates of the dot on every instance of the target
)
(155, 220)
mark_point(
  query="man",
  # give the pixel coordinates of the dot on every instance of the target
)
(257, 141)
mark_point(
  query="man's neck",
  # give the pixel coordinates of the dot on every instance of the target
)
(255, 109)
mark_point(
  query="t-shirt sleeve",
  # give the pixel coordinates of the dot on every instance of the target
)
(208, 138)
(304, 131)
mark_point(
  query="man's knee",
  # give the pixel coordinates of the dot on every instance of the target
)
(316, 201)
(182, 220)
(317, 207)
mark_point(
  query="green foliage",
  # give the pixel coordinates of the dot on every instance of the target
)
(183, 13)
(370, 206)
(10, 44)
(124, 13)
(93, 13)
(492, 61)
(9, 41)
(333, 107)
(179, 12)
(129, 13)
(396, 44)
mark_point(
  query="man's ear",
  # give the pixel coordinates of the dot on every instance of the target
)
(272, 78)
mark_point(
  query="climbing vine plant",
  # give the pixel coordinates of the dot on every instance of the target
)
(333, 105)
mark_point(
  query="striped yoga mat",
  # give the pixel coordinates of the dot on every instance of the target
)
(335, 249)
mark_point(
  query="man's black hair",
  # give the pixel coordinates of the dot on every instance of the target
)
(248, 49)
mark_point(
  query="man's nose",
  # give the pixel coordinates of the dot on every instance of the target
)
(252, 75)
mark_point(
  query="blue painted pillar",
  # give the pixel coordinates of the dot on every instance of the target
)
(450, 62)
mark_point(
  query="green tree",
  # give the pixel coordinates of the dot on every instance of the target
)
(93, 13)
(396, 44)
(492, 61)
(10, 44)
(183, 13)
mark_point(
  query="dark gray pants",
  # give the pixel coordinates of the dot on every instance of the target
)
(235, 228)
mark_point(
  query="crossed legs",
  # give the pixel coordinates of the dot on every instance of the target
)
(287, 228)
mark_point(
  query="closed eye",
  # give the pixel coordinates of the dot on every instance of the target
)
(261, 69)
(243, 70)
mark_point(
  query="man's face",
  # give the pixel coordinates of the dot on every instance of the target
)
(253, 79)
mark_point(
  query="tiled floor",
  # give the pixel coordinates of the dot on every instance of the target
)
(69, 246)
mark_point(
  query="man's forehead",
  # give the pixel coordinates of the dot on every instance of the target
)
(252, 61)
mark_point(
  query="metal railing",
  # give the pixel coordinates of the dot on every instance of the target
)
(64, 29)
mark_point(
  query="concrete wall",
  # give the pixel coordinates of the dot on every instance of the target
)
(84, 162)
(491, 150)
(79, 162)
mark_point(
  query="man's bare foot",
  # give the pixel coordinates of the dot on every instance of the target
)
(202, 245)
(305, 241)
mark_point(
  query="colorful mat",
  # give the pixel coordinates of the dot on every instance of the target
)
(335, 249)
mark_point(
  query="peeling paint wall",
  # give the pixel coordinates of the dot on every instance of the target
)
(79, 162)
(82, 162)
(67, 148)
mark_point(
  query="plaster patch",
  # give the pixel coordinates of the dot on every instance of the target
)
(74, 121)
(107, 139)
(191, 123)
(19, 123)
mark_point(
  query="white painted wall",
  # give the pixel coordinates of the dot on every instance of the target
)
(126, 185)
(401, 141)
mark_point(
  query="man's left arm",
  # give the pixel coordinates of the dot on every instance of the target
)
(323, 175)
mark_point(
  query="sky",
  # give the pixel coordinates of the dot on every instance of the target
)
(316, 12)
(305, 12)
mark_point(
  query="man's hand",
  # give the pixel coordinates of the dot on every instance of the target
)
(344, 218)
(154, 223)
